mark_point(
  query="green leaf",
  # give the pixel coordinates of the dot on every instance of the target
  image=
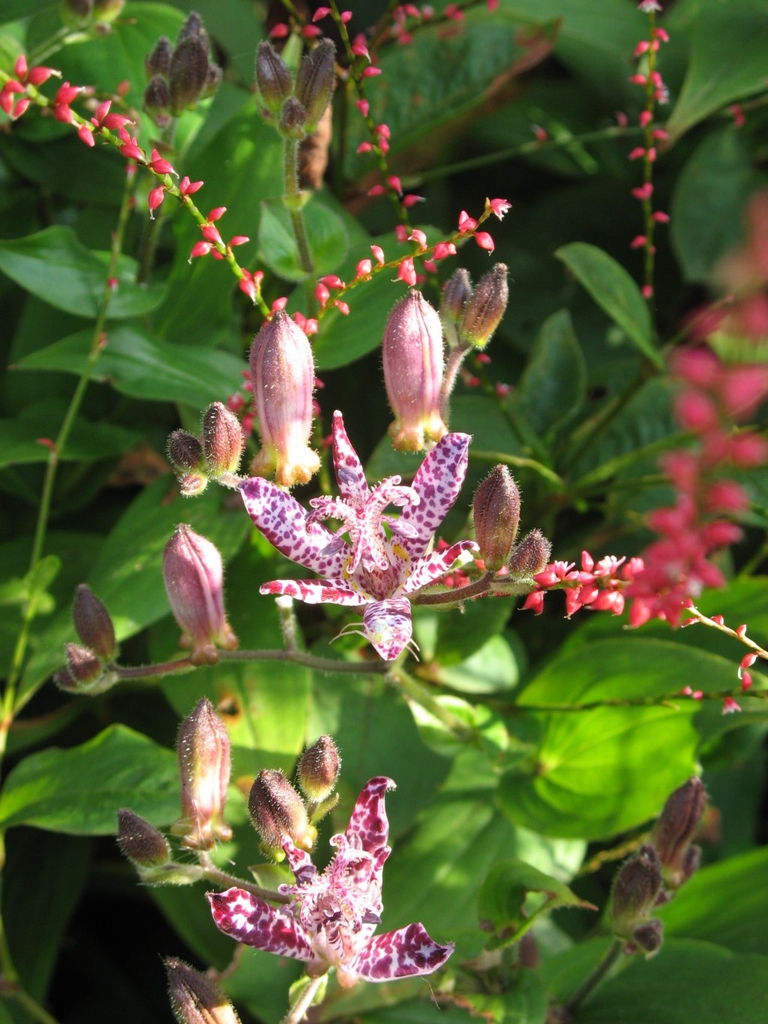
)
(277, 242)
(727, 61)
(603, 770)
(724, 903)
(53, 265)
(492, 668)
(20, 438)
(13, 9)
(524, 1001)
(614, 291)
(141, 366)
(81, 789)
(503, 906)
(688, 981)
(708, 202)
(554, 382)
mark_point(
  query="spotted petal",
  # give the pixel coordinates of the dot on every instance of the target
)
(368, 822)
(317, 591)
(437, 484)
(246, 918)
(283, 522)
(388, 627)
(431, 567)
(346, 464)
(402, 954)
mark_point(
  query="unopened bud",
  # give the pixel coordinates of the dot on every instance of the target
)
(107, 10)
(83, 663)
(485, 307)
(283, 377)
(76, 14)
(193, 484)
(315, 81)
(413, 372)
(456, 294)
(192, 28)
(648, 937)
(635, 890)
(278, 813)
(213, 80)
(196, 998)
(188, 73)
(185, 453)
(204, 768)
(530, 556)
(143, 844)
(159, 61)
(319, 768)
(674, 830)
(273, 77)
(193, 574)
(157, 101)
(293, 117)
(223, 439)
(93, 623)
(496, 512)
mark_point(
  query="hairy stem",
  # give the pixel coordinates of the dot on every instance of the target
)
(299, 1009)
(612, 954)
(216, 874)
(291, 186)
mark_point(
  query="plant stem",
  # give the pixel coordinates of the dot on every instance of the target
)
(150, 236)
(298, 1011)
(456, 357)
(612, 954)
(38, 1012)
(458, 594)
(291, 184)
(216, 874)
(309, 660)
(417, 693)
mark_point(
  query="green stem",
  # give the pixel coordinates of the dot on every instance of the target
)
(522, 462)
(163, 668)
(54, 43)
(38, 1012)
(291, 185)
(456, 357)
(215, 874)
(413, 691)
(299, 1009)
(609, 959)
(150, 236)
(458, 594)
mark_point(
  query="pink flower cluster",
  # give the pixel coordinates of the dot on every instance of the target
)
(598, 585)
(13, 96)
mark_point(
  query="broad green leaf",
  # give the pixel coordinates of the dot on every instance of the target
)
(65, 167)
(53, 265)
(725, 903)
(44, 877)
(553, 385)
(13, 9)
(80, 790)
(708, 202)
(524, 1001)
(614, 291)
(186, 909)
(277, 242)
(688, 981)
(20, 438)
(727, 61)
(141, 366)
(493, 668)
(461, 632)
(605, 769)
(502, 905)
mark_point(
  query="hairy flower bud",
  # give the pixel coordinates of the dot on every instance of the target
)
(277, 813)
(413, 372)
(157, 101)
(283, 376)
(318, 769)
(485, 307)
(139, 841)
(635, 890)
(204, 768)
(83, 663)
(188, 73)
(273, 77)
(192, 27)
(648, 937)
(185, 453)
(315, 81)
(93, 623)
(223, 439)
(196, 998)
(530, 556)
(496, 512)
(193, 574)
(293, 117)
(456, 294)
(674, 830)
(159, 61)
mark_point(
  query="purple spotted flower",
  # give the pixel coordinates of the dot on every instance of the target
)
(377, 569)
(331, 917)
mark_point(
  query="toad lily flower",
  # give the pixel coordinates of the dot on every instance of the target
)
(331, 917)
(376, 569)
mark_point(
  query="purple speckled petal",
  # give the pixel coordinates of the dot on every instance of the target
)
(368, 822)
(283, 522)
(317, 591)
(388, 627)
(432, 567)
(437, 483)
(246, 918)
(400, 954)
(300, 863)
(346, 464)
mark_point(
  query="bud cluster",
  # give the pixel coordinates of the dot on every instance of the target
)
(89, 663)
(651, 876)
(470, 315)
(295, 106)
(213, 454)
(277, 809)
(181, 75)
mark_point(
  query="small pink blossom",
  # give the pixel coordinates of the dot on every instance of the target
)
(443, 250)
(187, 187)
(643, 191)
(485, 241)
(378, 253)
(730, 706)
(363, 105)
(407, 272)
(466, 223)
(370, 71)
(498, 207)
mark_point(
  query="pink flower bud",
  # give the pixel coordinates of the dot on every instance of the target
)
(485, 307)
(456, 295)
(222, 439)
(185, 453)
(496, 512)
(315, 81)
(193, 574)
(204, 767)
(635, 890)
(413, 372)
(318, 769)
(531, 556)
(277, 813)
(273, 77)
(141, 842)
(283, 374)
(675, 828)
(196, 998)
(93, 623)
